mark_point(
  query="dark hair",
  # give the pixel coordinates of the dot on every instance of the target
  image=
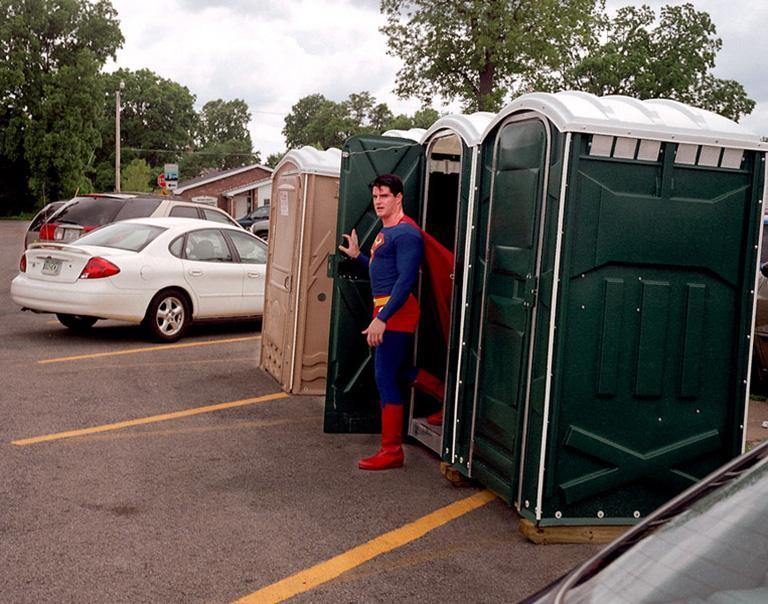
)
(392, 181)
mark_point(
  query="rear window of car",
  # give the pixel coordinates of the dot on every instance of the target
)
(138, 208)
(122, 236)
(90, 211)
(216, 216)
(45, 214)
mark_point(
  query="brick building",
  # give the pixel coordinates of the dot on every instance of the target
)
(236, 191)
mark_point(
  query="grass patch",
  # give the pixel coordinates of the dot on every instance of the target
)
(22, 216)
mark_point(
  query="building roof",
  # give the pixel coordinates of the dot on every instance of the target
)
(469, 127)
(656, 119)
(256, 184)
(313, 161)
(216, 175)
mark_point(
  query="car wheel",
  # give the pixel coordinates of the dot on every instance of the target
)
(76, 322)
(168, 316)
(262, 234)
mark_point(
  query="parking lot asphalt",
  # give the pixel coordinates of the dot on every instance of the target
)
(136, 472)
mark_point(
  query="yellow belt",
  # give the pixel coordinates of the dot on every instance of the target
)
(380, 301)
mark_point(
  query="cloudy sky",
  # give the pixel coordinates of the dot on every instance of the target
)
(271, 53)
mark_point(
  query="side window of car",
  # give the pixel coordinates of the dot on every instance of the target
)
(207, 245)
(184, 212)
(250, 249)
(176, 246)
(215, 216)
(138, 207)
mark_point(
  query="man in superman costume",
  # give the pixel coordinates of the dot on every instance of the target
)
(394, 263)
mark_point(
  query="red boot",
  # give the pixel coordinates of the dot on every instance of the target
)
(429, 384)
(436, 419)
(391, 453)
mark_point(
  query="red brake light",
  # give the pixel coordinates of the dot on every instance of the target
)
(88, 229)
(98, 268)
(23, 263)
(47, 231)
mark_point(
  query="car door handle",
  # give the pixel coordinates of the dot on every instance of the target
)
(195, 273)
(254, 275)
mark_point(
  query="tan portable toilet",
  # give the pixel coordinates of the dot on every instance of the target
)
(297, 297)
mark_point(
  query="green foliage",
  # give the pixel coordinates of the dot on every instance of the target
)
(319, 122)
(223, 140)
(645, 57)
(218, 156)
(50, 94)
(274, 158)
(479, 51)
(137, 177)
(157, 122)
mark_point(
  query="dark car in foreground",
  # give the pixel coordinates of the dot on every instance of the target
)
(709, 545)
(87, 212)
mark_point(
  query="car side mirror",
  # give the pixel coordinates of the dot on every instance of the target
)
(764, 269)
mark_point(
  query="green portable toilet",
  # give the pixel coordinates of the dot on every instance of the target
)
(437, 169)
(606, 353)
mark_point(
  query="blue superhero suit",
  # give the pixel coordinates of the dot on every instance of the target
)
(394, 269)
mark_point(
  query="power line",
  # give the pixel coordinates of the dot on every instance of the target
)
(188, 152)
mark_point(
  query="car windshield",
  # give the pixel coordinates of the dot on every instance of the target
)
(715, 552)
(122, 236)
(89, 211)
(262, 212)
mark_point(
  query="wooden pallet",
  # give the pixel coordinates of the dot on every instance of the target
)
(543, 535)
(455, 477)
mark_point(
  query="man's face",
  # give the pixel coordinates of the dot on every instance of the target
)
(385, 203)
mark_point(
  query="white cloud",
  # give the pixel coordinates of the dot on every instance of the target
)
(272, 53)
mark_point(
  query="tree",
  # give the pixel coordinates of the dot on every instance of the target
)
(157, 122)
(479, 51)
(319, 122)
(50, 94)
(647, 58)
(298, 119)
(137, 177)
(222, 140)
(222, 121)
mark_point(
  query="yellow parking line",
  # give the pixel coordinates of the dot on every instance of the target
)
(330, 569)
(114, 353)
(148, 420)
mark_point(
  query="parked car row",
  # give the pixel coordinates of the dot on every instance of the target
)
(68, 220)
(162, 273)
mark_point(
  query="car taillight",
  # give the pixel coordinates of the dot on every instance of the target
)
(98, 268)
(88, 229)
(47, 231)
(23, 263)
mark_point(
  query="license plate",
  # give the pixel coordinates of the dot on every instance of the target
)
(51, 266)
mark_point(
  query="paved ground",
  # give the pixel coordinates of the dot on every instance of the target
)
(219, 504)
(235, 493)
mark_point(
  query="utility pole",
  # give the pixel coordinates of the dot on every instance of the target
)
(117, 135)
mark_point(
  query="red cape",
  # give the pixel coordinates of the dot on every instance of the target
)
(438, 265)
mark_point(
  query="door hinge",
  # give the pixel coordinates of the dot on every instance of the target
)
(531, 290)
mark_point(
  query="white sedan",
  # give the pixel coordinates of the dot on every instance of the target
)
(160, 272)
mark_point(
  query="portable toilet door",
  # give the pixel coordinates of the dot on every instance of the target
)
(298, 291)
(351, 399)
(617, 306)
(451, 145)
(495, 372)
